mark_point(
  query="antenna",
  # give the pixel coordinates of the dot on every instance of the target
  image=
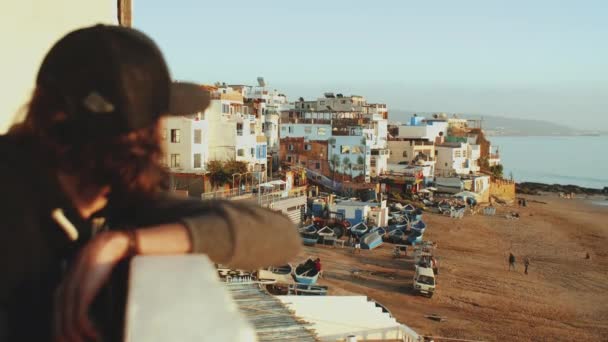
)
(261, 82)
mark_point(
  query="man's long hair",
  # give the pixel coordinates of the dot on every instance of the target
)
(130, 164)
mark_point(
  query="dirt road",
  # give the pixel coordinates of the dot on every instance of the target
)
(564, 297)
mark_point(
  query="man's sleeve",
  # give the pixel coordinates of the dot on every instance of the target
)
(234, 233)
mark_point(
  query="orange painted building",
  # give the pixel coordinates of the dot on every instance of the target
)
(310, 154)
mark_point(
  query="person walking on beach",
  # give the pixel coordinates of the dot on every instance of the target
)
(511, 261)
(526, 264)
(357, 245)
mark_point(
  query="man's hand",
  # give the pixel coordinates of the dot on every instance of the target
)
(89, 273)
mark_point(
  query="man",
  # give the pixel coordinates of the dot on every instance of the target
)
(318, 267)
(511, 261)
(82, 176)
(526, 264)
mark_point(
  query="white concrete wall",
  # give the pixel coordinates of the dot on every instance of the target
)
(28, 29)
(246, 141)
(222, 132)
(186, 148)
(429, 131)
(180, 298)
(452, 159)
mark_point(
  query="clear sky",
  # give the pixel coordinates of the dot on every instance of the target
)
(543, 59)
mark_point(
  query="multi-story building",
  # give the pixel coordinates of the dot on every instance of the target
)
(357, 145)
(185, 142)
(457, 158)
(421, 128)
(225, 131)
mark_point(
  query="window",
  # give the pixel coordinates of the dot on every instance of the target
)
(290, 129)
(343, 101)
(252, 129)
(307, 147)
(446, 164)
(225, 108)
(322, 103)
(404, 154)
(176, 135)
(240, 152)
(289, 159)
(245, 110)
(197, 160)
(291, 147)
(175, 160)
(345, 149)
(198, 136)
(307, 129)
(318, 166)
(320, 130)
(263, 126)
(239, 129)
(357, 149)
(164, 133)
(283, 128)
(252, 151)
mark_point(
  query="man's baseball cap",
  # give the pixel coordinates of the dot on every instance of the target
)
(113, 80)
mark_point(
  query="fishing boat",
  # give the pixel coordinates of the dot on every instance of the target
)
(392, 227)
(408, 209)
(306, 273)
(326, 232)
(381, 231)
(414, 238)
(418, 226)
(371, 240)
(396, 236)
(280, 274)
(307, 290)
(359, 229)
(309, 235)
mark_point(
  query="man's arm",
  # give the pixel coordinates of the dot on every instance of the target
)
(238, 234)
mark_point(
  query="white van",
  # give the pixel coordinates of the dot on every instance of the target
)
(424, 281)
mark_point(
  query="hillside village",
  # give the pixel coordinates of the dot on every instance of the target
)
(253, 140)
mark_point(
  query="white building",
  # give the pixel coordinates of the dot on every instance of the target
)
(460, 158)
(185, 143)
(421, 128)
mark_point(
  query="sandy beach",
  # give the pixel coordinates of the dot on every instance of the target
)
(563, 298)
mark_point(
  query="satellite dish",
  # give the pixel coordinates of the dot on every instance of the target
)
(261, 82)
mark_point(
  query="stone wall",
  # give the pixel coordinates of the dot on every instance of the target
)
(502, 189)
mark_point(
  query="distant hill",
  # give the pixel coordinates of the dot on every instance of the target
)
(498, 125)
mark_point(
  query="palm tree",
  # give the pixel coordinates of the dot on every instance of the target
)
(348, 165)
(361, 162)
(335, 163)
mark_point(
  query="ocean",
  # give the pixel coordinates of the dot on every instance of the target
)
(577, 160)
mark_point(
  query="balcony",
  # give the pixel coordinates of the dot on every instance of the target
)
(179, 298)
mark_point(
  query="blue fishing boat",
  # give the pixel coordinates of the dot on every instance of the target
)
(392, 227)
(408, 209)
(414, 238)
(418, 226)
(306, 273)
(309, 235)
(326, 232)
(380, 230)
(359, 229)
(371, 240)
(396, 236)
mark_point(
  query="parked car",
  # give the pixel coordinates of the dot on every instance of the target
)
(424, 281)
